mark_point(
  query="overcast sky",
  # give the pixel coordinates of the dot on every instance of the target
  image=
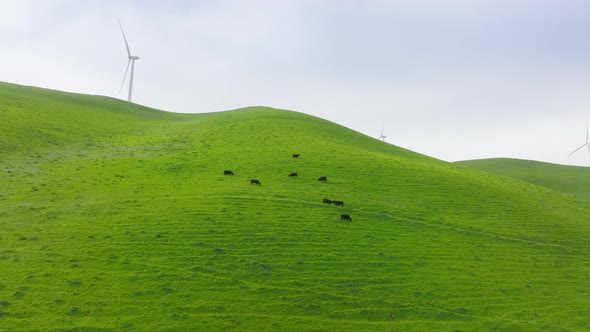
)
(453, 79)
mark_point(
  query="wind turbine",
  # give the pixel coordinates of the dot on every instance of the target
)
(382, 137)
(131, 62)
(585, 144)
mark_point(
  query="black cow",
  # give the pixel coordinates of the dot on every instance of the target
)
(323, 178)
(338, 203)
(345, 217)
(293, 174)
(226, 172)
(328, 201)
(295, 155)
(254, 181)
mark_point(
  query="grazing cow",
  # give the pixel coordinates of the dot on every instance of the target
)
(345, 217)
(323, 178)
(338, 203)
(328, 201)
(294, 174)
(295, 155)
(228, 173)
(254, 181)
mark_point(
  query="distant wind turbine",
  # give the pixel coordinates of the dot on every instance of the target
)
(585, 144)
(382, 137)
(131, 62)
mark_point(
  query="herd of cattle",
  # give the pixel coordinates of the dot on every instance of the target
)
(294, 174)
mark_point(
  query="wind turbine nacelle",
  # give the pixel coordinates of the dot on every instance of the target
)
(133, 57)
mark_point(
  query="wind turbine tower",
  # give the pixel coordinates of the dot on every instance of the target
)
(382, 137)
(131, 62)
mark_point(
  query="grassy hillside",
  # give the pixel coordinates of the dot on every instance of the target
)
(572, 180)
(118, 217)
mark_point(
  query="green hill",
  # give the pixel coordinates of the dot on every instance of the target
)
(118, 217)
(572, 180)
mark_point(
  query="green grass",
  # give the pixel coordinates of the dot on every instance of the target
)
(118, 217)
(572, 180)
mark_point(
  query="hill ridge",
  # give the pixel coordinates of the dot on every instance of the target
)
(569, 179)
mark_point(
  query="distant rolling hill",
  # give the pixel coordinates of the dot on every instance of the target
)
(115, 216)
(572, 180)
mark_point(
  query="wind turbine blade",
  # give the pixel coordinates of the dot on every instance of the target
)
(587, 134)
(576, 150)
(125, 39)
(124, 76)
